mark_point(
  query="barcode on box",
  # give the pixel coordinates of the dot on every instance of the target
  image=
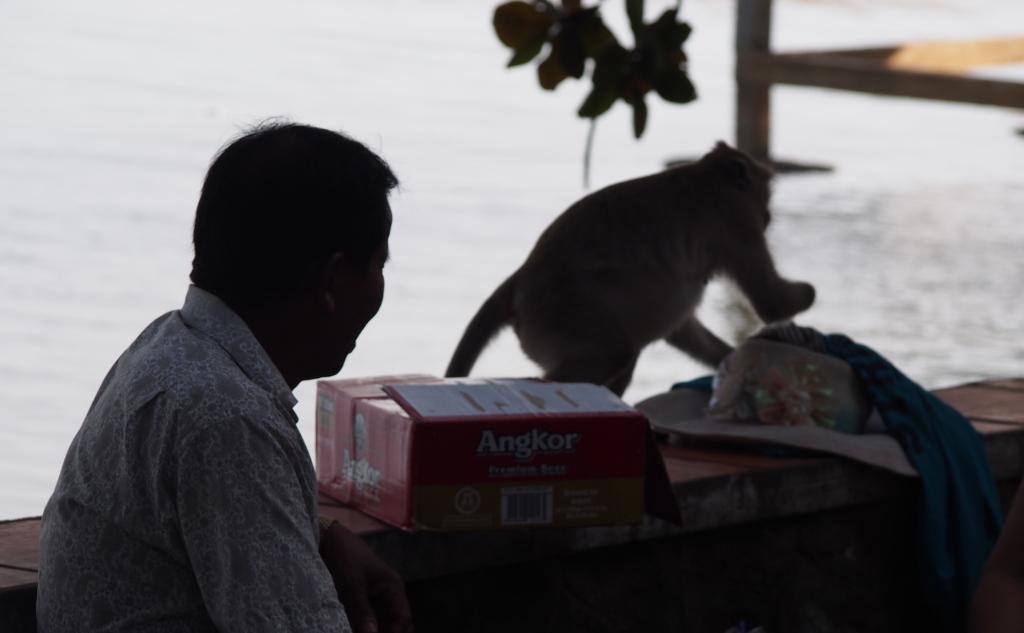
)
(526, 505)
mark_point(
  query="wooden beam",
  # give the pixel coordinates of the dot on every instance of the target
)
(753, 104)
(942, 57)
(841, 72)
(12, 580)
(957, 56)
(986, 404)
(753, 119)
(753, 25)
(19, 544)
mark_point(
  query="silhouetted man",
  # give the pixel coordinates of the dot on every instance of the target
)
(188, 501)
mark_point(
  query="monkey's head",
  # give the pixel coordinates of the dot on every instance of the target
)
(742, 175)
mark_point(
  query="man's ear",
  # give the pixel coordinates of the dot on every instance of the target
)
(331, 281)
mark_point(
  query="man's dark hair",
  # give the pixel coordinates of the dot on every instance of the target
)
(277, 201)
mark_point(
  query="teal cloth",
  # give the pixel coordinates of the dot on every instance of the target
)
(704, 383)
(960, 517)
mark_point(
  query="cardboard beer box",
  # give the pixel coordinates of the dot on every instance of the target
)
(420, 452)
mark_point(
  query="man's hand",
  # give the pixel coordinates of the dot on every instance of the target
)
(373, 594)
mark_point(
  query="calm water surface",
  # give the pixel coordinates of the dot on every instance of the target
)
(109, 113)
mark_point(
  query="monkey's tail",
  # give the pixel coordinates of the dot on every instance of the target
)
(493, 315)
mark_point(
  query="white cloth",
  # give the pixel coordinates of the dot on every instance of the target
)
(187, 502)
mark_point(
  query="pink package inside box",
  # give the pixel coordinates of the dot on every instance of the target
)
(342, 396)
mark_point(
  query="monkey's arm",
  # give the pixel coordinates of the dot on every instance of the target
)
(696, 340)
(773, 298)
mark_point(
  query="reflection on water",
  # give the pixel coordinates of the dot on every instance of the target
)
(928, 275)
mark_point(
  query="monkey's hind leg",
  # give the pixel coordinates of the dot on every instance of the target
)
(699, 342)
(619, 383)
(610, 369)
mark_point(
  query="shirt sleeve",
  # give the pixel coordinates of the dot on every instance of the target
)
(248, 525)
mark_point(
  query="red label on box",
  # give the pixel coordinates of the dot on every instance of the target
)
(494, 450)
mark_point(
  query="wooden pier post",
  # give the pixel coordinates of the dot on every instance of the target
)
(753, 105)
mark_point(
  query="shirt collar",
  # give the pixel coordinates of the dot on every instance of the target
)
(205, 312)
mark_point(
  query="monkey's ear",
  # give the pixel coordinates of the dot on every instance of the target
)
(738, 172)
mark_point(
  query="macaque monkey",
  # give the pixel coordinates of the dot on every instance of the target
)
(627, 265)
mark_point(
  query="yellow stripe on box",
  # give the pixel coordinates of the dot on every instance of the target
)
(528, 504)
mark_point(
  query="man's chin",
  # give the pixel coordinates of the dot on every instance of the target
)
(327, 370)
(340, 364)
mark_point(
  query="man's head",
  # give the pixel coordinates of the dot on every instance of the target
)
(291, 232)
(277, 202)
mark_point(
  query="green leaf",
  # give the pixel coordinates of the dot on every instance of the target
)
(676, 57)
(519, 24)
(635, 11)
(598, 102)
(594, 34)
(569, 48)
(671, 33)
(680, 33)
(639, 117)
(610, 67)
(674, 86)
(664, 22)
(647, 60)
(526, 53)
(550, 72)
(633, 88)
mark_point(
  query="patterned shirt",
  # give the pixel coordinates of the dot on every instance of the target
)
(187, 502)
